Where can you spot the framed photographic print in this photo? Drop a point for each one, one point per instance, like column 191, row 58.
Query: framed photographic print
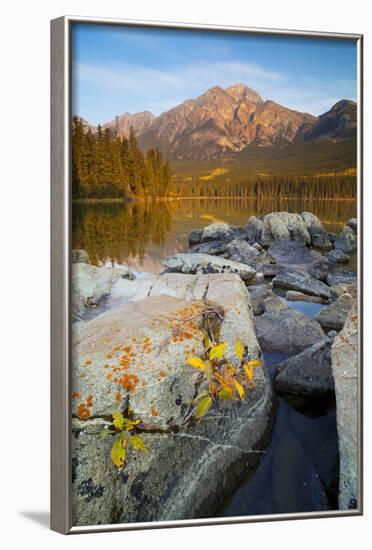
column 206, row 274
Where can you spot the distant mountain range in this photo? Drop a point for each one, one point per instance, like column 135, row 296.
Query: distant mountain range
column 222, row 123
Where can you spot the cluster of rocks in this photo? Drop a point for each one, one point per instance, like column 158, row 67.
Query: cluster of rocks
column 252, row 274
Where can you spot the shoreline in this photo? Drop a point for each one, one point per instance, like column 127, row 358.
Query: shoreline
column 128, row 200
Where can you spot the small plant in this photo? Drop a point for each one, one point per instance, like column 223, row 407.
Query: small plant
column 124, row 437
column 223, row 379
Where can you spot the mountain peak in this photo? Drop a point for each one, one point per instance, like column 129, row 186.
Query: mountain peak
column 240, row 91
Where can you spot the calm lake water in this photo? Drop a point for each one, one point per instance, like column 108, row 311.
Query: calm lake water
column 141, row 234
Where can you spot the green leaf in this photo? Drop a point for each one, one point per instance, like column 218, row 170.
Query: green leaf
column 118, row 420
column 207, row 342
column 203, row 407
column 217, row 352
column 239, row 349
column 138, row 443
column 118, row 453
column 196, row 362
column 226, row 394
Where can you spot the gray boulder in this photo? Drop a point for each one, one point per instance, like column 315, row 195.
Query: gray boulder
column 344, row 288
column 214, row 248
column 263, row 299
column 90, row 284
column 341, row 277
column 319, row 236
column 333, row 317
column 319, row 269
column 204, row 263
column 253, row 229
column 135, row 355
column 219, row 231
column 287, row 331
column 240, row 251
column 353, row 223
column 337, row 256
column 308, row 373
column 284, row 226
column 303, row 282
column 345, row 374
column 80, row 256
column 347, row 240
column 290, row 253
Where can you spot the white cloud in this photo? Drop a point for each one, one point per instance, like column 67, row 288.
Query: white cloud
column 125, row 87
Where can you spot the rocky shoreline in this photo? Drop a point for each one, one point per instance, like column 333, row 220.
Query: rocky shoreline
column 253, row 275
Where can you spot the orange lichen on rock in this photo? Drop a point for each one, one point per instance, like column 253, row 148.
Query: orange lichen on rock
column 75, row 394
column 154, row 412
column 129, row 382
column 87, row 362
column 162, row 373
column 118, row 396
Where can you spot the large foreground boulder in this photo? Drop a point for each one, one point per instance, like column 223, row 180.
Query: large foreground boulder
column 136, row 355
column 287, row 331
column 309, row 373
column 204, row 263
column 345, row 374
column 294, row 279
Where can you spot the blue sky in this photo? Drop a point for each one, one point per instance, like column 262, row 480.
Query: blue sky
column 127, row 69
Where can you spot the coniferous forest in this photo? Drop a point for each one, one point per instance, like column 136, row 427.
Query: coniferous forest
column 105, row 165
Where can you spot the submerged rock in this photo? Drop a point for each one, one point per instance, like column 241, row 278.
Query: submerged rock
column 345, row 374
column 347, row 240
column 136, row 355
column 287, row 331
column 301, row 281
column 308, row 373
column 294, row 296
column 204, row 263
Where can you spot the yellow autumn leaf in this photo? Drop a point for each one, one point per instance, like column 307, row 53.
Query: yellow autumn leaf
column 239, row 349
column 130, row 424
column 203, row 407
column 249, row 372
column 118, row 420
column 196, row 362
column 240, row 389
column 138, row 443
column 255, row 363
column 223, row 381
column 217, row 352
column 118, row 453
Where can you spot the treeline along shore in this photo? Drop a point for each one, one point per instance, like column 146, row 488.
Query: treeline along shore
column 107, row 167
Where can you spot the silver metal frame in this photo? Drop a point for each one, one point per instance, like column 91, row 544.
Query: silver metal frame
column 61, row 268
